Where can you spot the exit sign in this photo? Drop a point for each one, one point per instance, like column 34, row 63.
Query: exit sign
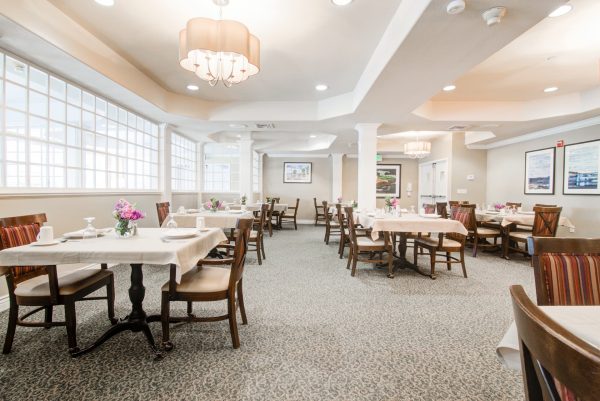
column 560, row 143
column 378, row 158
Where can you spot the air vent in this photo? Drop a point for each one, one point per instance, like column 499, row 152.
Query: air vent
column 459, row 128
column 265, row 125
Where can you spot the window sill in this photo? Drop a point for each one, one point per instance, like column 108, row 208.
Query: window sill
column 7, row 195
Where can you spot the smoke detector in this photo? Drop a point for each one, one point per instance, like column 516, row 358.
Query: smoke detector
column 494, row 15
column 456, row 7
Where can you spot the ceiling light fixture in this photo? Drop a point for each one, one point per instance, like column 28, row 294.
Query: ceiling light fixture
column 192, row 87
column 341, row 2
column 494, row 15
column 551, row 89
column 562, row 10
column 313, row 136
column 219, row 50
column 106, row 3
column 417, row 149
column 449, row 88
column 321, row 87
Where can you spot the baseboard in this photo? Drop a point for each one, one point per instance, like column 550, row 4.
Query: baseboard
column 4, row 303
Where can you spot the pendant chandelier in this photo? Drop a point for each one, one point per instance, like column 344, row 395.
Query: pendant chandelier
column 418, row 149
column 219, row 50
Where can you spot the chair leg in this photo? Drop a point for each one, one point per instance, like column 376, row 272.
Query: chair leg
column 432, row 261
column 354, row 260
column 462, row 262
column 448, row 264
column 341, row 245
column 258, row 252
column 415, row 252
column 110, row 300
column 327, row 236
column 190, row 308
column 262, row 246
column 349, row 257
column 13, row 317
column 235, row 339
column 240, row 294
column 390, row 264
column 475, row 246
column 48, row 315
column 164, row 320
column 295, row 224
column 71, row 320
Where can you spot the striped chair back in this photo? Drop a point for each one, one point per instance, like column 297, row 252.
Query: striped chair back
column 567, row 270
column 162, row 208
column 18, row 231
column 429, row 208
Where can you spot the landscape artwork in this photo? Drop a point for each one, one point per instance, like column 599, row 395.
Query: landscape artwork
column 581, row 167
column 539, row 172
column 388, row 180
column 297, row 172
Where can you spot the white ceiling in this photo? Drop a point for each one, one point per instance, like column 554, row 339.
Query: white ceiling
column 303, row 43
column 384, row 61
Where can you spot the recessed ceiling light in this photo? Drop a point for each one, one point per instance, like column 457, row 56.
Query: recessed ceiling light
column 193, row 87
column 321, row 87
column 449, row 88
column 239, row 136
column 313, row 136
column 106, row 3
column 562, row 10
column 238, row 126
column 341, row 2
column 551, row 89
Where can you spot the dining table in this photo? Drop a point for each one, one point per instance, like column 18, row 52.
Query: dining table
column 219, row 219
column 255, row 207
column 404, row 224
column 156, row 246
column 582, row 321
column 519, row 218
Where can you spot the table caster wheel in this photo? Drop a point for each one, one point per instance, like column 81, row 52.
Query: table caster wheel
column 74, row 350
column 167, row 346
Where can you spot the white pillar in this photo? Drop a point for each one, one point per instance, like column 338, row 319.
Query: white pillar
column 246, row 159
column 164, row 133
column 367, row 165
column 336, row 175
column 261, row 175
column 199, row 171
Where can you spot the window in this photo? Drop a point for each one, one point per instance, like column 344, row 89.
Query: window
column 221, row 167
column 183, row 163
column 56, row 135
column 255, row 172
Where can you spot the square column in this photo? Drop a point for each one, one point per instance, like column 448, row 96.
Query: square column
column 164, row 135
column 367, row 165
column 199, row 171
column 336, row 175
column 246, row 167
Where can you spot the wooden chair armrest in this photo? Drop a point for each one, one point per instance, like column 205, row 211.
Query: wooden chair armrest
column 215, row 262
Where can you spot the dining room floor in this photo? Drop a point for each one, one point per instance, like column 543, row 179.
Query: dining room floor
column 314, row 333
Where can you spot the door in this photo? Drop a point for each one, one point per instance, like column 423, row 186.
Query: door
column 433, row 182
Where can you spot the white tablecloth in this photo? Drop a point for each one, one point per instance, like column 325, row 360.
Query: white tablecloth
column 255, row 207
column 145, row 248
column 583, row 321
column 220, row 219
column 521, row 219
column 409, row 222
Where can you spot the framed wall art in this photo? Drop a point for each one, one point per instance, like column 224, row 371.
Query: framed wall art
column 297, row 172
column 539, row 171
column 581, row 167
column 388, row 180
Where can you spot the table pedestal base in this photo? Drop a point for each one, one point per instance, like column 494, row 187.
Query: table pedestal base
column 401, row 262
column 136, row 321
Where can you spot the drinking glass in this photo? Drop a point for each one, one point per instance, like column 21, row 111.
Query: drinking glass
column 171, row 223
column 412, row 209
column 181, row 210
column 90, row 231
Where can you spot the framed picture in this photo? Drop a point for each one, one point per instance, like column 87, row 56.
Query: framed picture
column 388, row 180
column 297, row 172
column 581, row 166
column 539, row 172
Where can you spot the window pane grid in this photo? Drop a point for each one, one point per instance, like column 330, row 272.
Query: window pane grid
column 183, row 163
column 55, row 135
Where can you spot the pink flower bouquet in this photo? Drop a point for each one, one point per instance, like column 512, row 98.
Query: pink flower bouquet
column 126, row 215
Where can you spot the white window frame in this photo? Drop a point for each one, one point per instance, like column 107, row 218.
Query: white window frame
column 183, row 164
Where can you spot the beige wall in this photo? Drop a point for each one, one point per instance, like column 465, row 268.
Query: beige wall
column 506, row 172
column 349, row 178
column 187, row 200
column 467, row 162
column 320, row 187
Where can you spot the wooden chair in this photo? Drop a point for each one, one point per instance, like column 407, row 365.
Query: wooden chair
column 319, row 214
column 46, row 286
column 207, row 283
column 332, row 227
column 162, row 208
column 541, row 205
column 513, row 204
column 442, row 209
column 556, row 365
column 290, row 218
column 445, row 245
column 344, row 233
column 567, row 270
column 479, row 233
column 545, row 224
column 269, row 220
column 257, row 234
column 365, row 245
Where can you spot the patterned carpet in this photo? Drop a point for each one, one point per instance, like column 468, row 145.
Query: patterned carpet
column 314, row 333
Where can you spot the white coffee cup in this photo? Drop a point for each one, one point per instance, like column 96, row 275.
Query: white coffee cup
column 45, row 235
column 200, row 223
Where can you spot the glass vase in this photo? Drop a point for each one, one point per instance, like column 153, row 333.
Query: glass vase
column 125, row 228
